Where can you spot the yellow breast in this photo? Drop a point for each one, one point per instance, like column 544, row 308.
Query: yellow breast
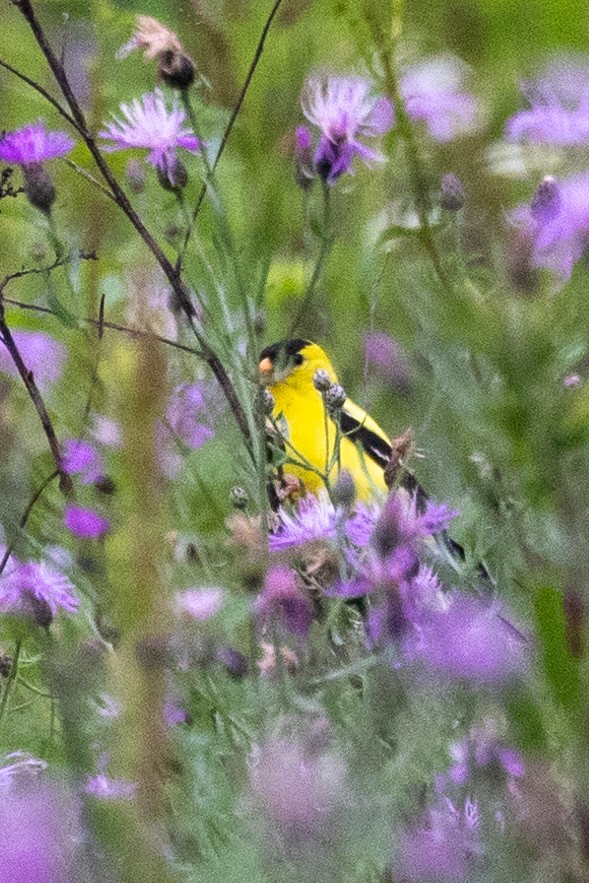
column 311, row 440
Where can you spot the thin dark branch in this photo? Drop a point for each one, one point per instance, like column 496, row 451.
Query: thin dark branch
column 65, row 482
column 173, row 276
column 25, row 516
column 111, row 326
column 41, row 271
column 46, row 95
column 229, row 127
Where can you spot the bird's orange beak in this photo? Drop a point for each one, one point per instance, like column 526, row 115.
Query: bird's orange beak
column 265, row 368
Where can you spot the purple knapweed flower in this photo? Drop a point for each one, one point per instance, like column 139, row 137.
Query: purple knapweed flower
column 282, row 598
column 187, row 412
column 345, row 111
column 35, row 588
column 42, row 836
column 85, row 522
column 296, row 787
column 81, row 458
column 152, row 125
column 41, row 353
column 443, row 848
column 33, row 145
column 432, row 92
column 386, row 359
column 201, row 604
column 557, row 224
column 29, row 148
column 313, row 519
column 470, row 641
column 559, row 106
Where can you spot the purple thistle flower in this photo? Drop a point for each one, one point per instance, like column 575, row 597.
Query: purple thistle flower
column 296, row 787
column 186, row 409
column 444, row 847
column 281, row 597
column 33, row 144
column 559, row 106
column 344, row 110
column 557, row 223
column 85, row 522
column 106, row 431
column 433, row 93
column 83, row 459
column 470, row 641
column 151, row 125
column 22, row 768
column 435, row 519
column 314, row 519
column 42, row 354
column 201, row 604
column 41, row 835
column 33, row 584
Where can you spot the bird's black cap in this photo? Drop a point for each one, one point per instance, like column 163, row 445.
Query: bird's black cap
column 288, row 347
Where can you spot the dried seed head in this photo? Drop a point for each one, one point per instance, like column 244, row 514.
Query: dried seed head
column 135, row 175
column 176, row 70
column 175, row 67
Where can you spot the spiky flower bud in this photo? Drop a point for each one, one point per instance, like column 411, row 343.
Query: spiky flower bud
column 451, row 193
column 173, row 177
column 238, row 497
column 39, row 188
column 304, row 166
column 334, row 398
column 321, row 380
column 135, row 175
column 546, row 201
column 344, row 489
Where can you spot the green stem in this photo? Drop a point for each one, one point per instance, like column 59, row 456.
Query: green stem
column 326, row 240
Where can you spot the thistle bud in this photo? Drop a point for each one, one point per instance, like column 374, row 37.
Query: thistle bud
column 235, row 663
column 546, row 201
column 304, row 167
column 39, row 188
column 344, row 489
column 174, row 177
column 5, row 665
column 321, row 380
column 268, row 402
column 451, row 193
column 135, row 175
column 238, row 497
column 334, row 398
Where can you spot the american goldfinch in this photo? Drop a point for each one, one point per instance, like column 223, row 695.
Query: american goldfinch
column 321, row 430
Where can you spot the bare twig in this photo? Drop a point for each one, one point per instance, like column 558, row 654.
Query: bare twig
column 42, row 271
column 228, row 128
column 65, row 482
column 46, row 95
column 122, row 200
column 111, row 326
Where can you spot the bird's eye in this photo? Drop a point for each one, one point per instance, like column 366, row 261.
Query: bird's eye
column 298, row 359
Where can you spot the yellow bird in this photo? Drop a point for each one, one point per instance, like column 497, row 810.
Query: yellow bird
column 309, row 428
